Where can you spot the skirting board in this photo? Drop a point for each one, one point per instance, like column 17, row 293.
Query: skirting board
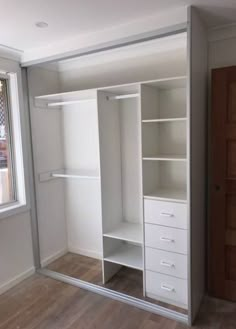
column 51, row 258
column 85, row 252
column 17, row 279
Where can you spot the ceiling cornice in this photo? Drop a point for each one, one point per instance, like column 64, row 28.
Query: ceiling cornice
column 222, row 32
column 11, row 53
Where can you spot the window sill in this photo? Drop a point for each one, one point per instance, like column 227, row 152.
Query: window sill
column 13, row 209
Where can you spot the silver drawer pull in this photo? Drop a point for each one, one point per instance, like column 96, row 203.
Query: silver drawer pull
column 167, row 287
column 162, row 238
column 167, row 264
column 166, row 214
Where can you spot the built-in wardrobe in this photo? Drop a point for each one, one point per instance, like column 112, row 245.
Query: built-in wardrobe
column 118, row 148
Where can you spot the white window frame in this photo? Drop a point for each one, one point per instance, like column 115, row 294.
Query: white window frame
column 11, row 70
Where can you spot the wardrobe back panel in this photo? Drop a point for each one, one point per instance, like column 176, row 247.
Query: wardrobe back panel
column 110, row 160
column 80, row 136
column 82, row 196
column 83, row 216
column 164, row 64
column 48, row 155
column 170, row 99
column 130, row 159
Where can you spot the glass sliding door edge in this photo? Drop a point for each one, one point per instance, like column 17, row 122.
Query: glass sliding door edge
column 136, row 302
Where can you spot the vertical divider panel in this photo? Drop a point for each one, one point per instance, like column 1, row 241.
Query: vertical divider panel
column 110, row 169
column 197, row 113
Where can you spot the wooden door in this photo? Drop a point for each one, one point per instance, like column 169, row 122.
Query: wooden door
column 222, row 251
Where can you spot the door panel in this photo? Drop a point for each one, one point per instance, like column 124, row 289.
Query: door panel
column 197, row 113
column 222, row 255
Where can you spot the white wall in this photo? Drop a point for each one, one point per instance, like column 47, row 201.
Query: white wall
column 222, row 48
column 16, row 255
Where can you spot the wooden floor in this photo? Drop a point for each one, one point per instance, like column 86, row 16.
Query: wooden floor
column 43, row 303
column 127, row 280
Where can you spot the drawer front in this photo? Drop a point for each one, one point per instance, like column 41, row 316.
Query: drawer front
column 166, row 238
column 171, row 214
column 167, row 288
column 166, row 262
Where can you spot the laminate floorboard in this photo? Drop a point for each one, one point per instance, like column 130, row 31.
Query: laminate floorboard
column 40, row 302
column 128, row 281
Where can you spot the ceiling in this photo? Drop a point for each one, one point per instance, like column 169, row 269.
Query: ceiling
column 71, row 18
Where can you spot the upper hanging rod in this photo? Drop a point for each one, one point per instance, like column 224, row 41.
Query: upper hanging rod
column 111, row 98
column 115, row 97
column 54, row 104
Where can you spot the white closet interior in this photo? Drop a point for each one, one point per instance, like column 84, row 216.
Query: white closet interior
column 121, row 186
column 112, row 163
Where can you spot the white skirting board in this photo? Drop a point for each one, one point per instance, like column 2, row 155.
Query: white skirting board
column 17, row 279
column 85, row 252
column 51, row 258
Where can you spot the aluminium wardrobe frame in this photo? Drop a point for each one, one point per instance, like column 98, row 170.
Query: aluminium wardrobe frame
column 196, row 131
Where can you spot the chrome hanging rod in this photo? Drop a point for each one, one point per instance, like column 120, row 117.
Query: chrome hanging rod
column 115, row 97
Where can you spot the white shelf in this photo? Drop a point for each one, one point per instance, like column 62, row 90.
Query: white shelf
column 131, row 232
column 62, row 99
column 127, row 255
column 168, row 194
column 166, row 158
column 164, row 120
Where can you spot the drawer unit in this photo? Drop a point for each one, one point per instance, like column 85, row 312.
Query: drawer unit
column 166, row 238
column 171, row 214
column 166, row 262
column 166, row 288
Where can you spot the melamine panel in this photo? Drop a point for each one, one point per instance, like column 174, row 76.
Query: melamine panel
column 166, row 262
column 166, row 238
column 166, row 288
column 171, row 214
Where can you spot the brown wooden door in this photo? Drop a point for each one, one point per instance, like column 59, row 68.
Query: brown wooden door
column 222, row 239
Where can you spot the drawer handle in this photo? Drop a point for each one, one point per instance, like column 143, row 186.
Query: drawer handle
column 162, row 238
column 167, row 264
column 166, row 214
column 167, row 287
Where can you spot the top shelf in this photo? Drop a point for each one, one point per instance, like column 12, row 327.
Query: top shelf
column 119, row 92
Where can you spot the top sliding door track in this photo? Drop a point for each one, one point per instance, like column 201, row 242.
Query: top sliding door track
column 132, row 40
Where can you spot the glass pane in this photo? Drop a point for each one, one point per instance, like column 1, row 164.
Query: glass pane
column 7, row 191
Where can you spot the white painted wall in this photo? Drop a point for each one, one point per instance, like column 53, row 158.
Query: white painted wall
column 222, row 52
column 16, row 256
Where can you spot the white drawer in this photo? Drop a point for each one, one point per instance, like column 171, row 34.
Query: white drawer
column 166, row 238
column 166, row 262
column 171, row 214
column 166, row 288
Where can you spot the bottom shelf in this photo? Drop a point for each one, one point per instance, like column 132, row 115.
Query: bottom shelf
column 127, row 255
column 168, row 194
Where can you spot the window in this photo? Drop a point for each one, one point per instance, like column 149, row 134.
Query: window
column 7, row 174
column 13, row 167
